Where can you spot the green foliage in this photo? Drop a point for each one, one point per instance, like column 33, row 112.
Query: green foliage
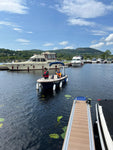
column 7, row 55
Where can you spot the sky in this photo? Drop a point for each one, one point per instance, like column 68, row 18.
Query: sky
column 56, row 24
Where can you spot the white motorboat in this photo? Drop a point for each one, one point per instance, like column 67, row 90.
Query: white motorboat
column 36, row 62
column 104, row 117
column 53, row 81
column 77, row 61
column 94, row 61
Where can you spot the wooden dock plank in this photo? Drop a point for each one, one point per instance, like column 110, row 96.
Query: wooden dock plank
column 79, row 136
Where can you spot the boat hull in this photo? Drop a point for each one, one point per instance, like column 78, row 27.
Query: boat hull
column 49, row 83
column 104, row 122
column 29, row 66
column 76, row 64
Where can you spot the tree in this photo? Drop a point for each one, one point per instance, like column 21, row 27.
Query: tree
column 106, row 54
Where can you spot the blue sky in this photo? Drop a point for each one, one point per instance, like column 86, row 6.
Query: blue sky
column 56, row 24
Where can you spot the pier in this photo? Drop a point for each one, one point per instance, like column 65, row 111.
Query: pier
column 79, row 135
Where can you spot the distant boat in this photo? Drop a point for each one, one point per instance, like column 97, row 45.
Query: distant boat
column 108, row 61
column 77, row 61
column 99, row 60
column 94, row 61
column 104, row 117
column 53, row 81
column 36, row 62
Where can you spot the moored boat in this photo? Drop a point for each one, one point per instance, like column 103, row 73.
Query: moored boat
column 77, row 61
column 36, row 62
column 104, row 117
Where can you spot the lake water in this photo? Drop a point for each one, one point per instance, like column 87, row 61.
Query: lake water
column 28, row 116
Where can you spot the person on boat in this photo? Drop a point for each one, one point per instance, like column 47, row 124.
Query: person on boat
column 58, row 73
column 46, row 73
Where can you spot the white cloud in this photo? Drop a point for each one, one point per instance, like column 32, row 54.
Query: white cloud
column 63, row 43
column 69, row 47
column 83, row 8
column 109, row 43
column 30, row 32
column 108, row 28
column 17, row 29
column 99, row 45
column 13, row 6
column 23, row 41
column 43, row 4
column 99, row 32
column 81, row 22
column 109, row 38
column 48, row 44
column 6, row 23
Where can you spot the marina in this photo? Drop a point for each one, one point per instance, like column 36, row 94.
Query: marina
column 29, row 117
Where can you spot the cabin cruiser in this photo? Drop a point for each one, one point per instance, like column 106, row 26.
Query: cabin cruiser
column 77, row 61
column 104, row 121
column 36, row 62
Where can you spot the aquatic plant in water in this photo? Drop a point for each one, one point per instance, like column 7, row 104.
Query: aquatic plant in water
column 55, row 135
column 64, row 129
column 1, row 120
column 59, row 118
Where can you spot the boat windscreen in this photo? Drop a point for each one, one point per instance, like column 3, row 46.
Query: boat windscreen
column 56, row 63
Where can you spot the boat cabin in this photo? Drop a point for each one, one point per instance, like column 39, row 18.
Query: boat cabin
column 43, row 57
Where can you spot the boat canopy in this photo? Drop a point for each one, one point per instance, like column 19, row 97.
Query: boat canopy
column 56, row 63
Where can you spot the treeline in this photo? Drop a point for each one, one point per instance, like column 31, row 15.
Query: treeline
column 7, row 55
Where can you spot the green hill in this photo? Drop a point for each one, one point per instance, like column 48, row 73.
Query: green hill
column 9, row 55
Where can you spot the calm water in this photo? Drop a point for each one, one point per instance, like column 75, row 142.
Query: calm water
column 30, row 116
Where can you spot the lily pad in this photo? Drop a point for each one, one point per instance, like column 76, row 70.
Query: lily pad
column 89, row 99
column 59, row 118
column 63, row 135
column 1, row 119
column 1, row 124
column 67, row 96
column 54, row 136
column 64, row 128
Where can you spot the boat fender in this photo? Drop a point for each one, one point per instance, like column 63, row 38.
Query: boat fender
column 66, row 79
column 54, row 87
column 60, row 84
column 37, row 86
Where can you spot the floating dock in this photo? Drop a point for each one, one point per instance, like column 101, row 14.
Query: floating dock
column 79, row 135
